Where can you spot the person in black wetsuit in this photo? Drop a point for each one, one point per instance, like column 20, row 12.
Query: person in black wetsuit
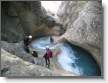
column 27, row 41
column 35, row 55
column 51, row 39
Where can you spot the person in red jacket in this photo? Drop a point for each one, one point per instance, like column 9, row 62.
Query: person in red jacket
column 47, row 57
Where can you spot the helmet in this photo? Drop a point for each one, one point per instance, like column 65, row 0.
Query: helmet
column 30, row 36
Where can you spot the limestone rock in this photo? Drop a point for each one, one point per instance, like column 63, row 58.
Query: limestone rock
column 18, row 50
column 83, row 21
column 69, row 11
column 20, row 18
column 13, row 66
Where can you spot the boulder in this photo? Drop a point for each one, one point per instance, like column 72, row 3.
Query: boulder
column 13, row 66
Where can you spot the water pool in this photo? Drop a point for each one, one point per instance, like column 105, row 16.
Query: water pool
column 72, row 58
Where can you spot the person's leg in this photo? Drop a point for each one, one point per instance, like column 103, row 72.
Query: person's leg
column 26, row 48
column 48, row 63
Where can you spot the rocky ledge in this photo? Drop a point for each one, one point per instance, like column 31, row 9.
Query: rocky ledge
column 13, row 66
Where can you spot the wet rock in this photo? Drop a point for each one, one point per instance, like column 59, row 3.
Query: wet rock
column 13, row 66
column 83, row 21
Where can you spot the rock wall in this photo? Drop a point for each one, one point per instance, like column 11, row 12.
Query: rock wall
column 84, row 23
column 19, row 18
column 12, row 66
column 18, row 50
column 10, row 26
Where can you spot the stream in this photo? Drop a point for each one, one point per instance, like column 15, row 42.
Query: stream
column 71, row 58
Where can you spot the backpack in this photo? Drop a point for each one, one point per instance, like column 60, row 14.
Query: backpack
column 49, row 53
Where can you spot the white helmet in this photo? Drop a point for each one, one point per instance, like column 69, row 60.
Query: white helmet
column 30, row 36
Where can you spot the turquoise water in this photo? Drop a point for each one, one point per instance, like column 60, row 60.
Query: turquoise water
column 72, row 58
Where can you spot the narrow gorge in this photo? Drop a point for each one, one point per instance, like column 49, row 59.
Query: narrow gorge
column 77, row 31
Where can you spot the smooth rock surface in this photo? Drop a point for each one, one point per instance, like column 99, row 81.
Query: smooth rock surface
column 84, row 23
column 12, row 66
column 18, row 50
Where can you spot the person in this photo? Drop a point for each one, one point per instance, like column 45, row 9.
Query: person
column 35, row 55
column 27, row 41
column 51, row 39
column 47, row 57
